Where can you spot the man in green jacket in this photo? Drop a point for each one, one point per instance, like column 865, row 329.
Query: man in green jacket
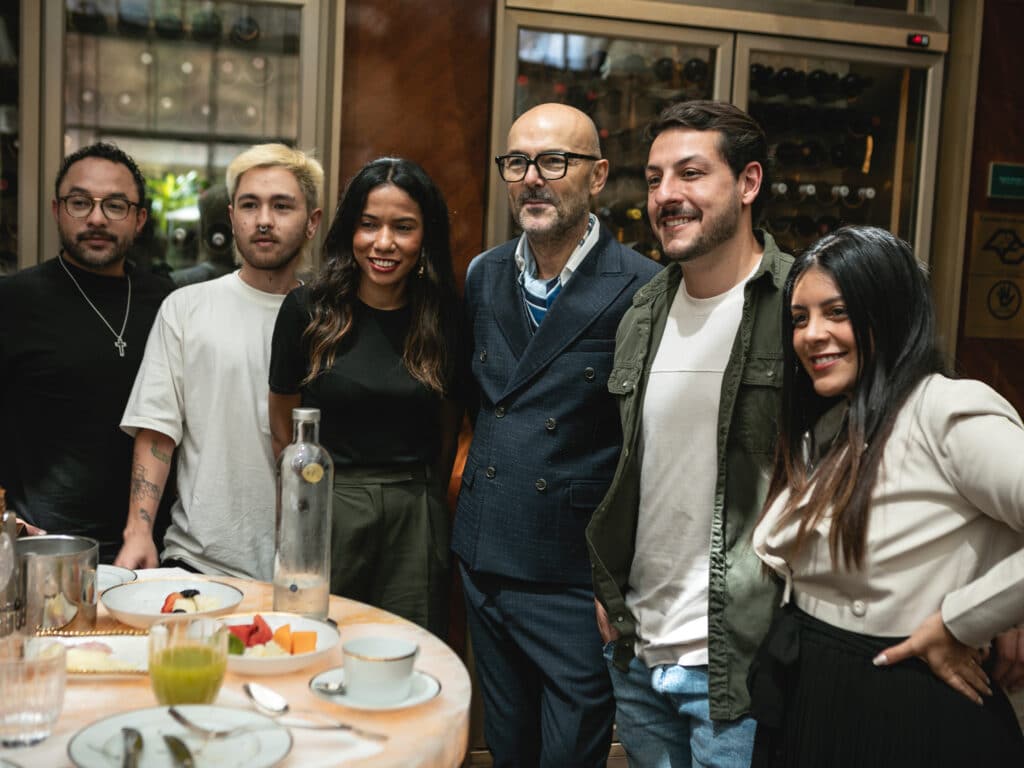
column 681, row 600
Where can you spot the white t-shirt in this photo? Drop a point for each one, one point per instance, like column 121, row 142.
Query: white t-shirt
column 203, row 382
column 668, row 581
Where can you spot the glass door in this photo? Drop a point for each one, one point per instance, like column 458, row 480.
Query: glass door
column 852, row 133
column 183, row 86
column 10, row 47
column 621, row 75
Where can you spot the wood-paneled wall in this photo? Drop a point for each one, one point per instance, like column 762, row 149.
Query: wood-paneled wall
column 417, row 84
column 998, row 135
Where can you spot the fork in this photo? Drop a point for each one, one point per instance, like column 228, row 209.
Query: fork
column 213, row 733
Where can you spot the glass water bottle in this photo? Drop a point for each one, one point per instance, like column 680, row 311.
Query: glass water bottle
column 305, row 487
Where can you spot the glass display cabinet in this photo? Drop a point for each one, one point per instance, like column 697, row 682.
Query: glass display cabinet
column 183, row 86
column 852, row 127
column 853, row 133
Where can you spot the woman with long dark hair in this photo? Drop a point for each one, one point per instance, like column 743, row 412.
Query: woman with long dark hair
column 895, row 516
column 373, row 342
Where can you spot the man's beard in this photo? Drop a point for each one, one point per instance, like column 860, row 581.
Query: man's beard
column 566, row 219
column 87, row 258
column 719, row 230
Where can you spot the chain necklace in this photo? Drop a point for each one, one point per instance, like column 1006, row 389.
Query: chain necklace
column 119, row 341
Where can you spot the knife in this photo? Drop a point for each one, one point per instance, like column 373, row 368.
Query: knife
column 180, row 752
column 132, row 748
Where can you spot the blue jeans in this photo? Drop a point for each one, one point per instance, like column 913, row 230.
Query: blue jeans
column 663, row 719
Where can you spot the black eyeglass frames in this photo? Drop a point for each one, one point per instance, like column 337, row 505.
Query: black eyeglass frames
column 550, row 165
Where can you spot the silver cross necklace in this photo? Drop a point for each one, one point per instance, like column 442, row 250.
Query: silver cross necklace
column 119, row 341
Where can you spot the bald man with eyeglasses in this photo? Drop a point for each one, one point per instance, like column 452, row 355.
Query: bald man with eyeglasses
column 543, row 309
column 72, row 333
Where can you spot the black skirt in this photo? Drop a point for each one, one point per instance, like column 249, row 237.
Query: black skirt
column 821, row 703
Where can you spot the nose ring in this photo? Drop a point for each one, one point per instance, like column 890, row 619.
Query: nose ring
column 263, row 228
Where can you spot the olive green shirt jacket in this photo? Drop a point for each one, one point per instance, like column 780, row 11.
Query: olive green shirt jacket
column 741, row 598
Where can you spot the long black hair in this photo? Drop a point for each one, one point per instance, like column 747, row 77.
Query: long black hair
column 432, row 295
column 890, row 310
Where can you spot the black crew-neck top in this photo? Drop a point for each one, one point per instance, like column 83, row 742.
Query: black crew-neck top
column 373, row 413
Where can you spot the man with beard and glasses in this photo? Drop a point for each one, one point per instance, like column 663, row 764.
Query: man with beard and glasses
column 203, row 382
column 543, row 310
column 72, row 333
column 698, row 372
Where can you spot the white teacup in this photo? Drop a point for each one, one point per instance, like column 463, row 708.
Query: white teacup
column 378, row 670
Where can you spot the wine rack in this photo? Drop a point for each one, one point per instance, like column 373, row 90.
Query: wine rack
column 844, row 142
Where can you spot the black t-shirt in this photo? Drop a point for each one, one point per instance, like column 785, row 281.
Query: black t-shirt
column 64, row 460
column 372, row 411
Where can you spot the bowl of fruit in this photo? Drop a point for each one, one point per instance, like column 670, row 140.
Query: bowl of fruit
column 275, row 643
column 141, row 603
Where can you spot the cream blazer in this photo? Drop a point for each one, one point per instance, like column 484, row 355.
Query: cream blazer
column 946, row 529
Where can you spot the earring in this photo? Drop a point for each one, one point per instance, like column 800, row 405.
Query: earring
column 422, row 270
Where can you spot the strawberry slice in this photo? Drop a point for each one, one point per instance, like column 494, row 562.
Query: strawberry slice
column 169, row 602
column 263, row 632
column 243, row 632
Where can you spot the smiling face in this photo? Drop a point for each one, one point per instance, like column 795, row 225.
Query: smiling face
column 95, row 242
column 694, row 201
column 387, row 244
column 553, row 210
column 823, row 336
column 269, row 218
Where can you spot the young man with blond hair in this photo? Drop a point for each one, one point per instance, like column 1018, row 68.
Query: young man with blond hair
column 202, row 386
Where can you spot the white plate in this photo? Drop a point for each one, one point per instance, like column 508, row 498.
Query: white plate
column 100, row 745
column 129, row 652
column 327, row 637
column 138, row 604
column 424, row 688
column 108, row 576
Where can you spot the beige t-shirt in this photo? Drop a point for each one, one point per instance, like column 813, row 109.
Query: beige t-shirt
column 203, row 382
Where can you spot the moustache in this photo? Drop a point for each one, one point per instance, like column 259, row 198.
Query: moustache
column 536, row 196
column 96, row 235
column 677, row 210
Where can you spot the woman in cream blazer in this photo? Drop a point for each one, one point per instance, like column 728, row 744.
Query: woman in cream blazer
column 896, row 509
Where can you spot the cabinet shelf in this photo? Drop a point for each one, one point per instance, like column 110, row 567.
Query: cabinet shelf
column 160, row 135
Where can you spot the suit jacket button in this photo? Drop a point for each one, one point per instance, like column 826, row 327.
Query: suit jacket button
column 499, row 411
column 859, row 608
column 490, row 472
column 483, row 355
column 550, row 424
column 541, row 485
column 589, row 374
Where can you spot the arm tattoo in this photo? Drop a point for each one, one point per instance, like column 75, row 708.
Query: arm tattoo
column 146, row 517
column 141, row 487
column 164, row 457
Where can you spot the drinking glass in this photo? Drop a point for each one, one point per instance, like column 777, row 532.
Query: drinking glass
column 187, row 659
column 32, row 675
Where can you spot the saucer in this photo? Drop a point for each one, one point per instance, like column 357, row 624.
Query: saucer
column 424, row 688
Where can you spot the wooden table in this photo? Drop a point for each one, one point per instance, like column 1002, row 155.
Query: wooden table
column 431, row 734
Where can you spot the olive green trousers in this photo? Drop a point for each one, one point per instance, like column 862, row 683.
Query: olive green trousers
column 390, row 533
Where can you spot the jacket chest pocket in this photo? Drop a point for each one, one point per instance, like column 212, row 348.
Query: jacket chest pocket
column 758, row 399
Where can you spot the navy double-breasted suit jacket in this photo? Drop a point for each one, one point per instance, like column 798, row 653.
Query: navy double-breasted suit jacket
column 547, row 435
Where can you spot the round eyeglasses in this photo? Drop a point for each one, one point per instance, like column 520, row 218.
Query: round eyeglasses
column 550, row 165
column 80, row 206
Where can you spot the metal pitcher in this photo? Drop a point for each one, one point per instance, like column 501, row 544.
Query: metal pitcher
column 54, row 584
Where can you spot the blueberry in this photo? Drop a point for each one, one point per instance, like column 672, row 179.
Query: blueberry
column 189, row 592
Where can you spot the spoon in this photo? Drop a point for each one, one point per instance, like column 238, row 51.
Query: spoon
column 271, row 703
